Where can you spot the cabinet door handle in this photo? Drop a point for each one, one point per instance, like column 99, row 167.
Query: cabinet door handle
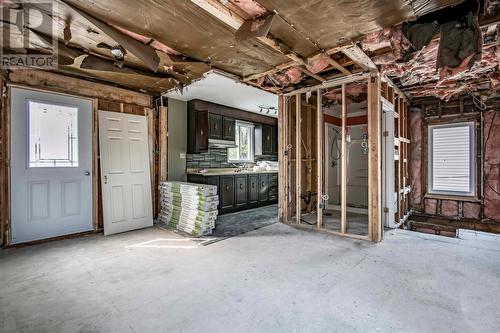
column 227, row 188
column 263, row 184
column 215, row 126
column 268, row 138
column 201, row 132
column 241, row 186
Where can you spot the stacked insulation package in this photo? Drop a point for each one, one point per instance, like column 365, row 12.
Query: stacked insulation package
column 189, row 207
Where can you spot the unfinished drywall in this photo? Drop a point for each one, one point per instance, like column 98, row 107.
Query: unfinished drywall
column 177, row 143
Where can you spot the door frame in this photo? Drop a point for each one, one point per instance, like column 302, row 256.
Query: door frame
column 95, row 159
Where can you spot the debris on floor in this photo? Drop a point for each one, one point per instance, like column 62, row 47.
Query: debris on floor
column 191, row 208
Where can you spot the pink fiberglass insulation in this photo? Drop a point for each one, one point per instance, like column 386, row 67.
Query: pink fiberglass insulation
column 415, row 158
column 421, row 68
column 471, row 210
column 317, row 64
column 430, row 206
column 449, row 208
column 251, row 7
column 491, row 136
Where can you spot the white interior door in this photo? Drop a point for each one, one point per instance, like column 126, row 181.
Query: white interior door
column 51, row 165
column 125, row 172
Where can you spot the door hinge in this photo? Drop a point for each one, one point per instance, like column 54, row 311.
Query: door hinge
column 386, row 210
column 386, row 133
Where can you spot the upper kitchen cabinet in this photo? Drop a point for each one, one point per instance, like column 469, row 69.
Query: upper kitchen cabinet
column 229, row 129
column 215, row 126
column 266, row 140
column 212, row 125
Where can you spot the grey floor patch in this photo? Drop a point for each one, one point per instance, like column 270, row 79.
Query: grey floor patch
column 234, row 224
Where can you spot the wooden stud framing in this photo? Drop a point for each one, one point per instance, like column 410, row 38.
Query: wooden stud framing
column 282, row 158
column 298, row 159
column 374, row 160
column 320, row 151
column 343, row 184
column 163, row 142
column 308, row 157
column 317, row 128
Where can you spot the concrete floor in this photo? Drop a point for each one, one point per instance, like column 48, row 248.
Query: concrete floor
column 275, row 279
column 357, row 224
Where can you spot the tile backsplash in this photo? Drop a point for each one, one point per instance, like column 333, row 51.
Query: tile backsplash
column 215, row 158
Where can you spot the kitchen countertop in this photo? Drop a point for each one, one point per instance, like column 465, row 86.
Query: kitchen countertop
column 226, row 171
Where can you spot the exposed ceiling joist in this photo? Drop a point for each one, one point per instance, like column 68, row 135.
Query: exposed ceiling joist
column 360, row 58
column 230, row 18
column 311, row 74
column 338, row 66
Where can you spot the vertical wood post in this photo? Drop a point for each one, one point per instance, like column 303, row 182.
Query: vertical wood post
column 298, row 159
column 343, row 184
column 374, row 160
column 320, row 151
column 163, row 141
column 282, row 158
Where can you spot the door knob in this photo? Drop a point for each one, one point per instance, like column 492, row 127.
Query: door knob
column 87, row 173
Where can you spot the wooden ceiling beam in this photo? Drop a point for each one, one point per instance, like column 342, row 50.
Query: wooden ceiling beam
column 311, row 74
column 232, row 19
column 356, row 54
column 338, row 66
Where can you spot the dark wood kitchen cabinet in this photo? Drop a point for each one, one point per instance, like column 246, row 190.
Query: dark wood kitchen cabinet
column 226, row 194
column 215, row 128
column 241, row 191
column 264, row 187
column 266, row 140
column 253, row 190
column 229, row 129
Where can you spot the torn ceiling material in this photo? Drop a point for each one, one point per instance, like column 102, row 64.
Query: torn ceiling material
column 299, row 43
column 438, row 56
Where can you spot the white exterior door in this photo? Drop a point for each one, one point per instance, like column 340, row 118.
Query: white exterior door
column 125, row 172
column 51, row 165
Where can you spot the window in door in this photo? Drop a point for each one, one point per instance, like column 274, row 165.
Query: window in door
column 244, row 141
column 53, row 135
column 451, row 159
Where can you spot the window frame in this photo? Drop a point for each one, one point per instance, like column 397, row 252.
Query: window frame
column 251, row 127
column 472, row 159
column 28, row 133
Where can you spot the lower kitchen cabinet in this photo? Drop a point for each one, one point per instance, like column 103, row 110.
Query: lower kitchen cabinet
column 264, row 187
column 242, row 191
column 226, row 194
column 253, row 190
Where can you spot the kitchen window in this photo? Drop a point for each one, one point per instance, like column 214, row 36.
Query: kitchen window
column 451, row 159
column 244, row 136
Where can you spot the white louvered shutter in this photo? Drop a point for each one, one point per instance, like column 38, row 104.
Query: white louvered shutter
column 451, row 159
